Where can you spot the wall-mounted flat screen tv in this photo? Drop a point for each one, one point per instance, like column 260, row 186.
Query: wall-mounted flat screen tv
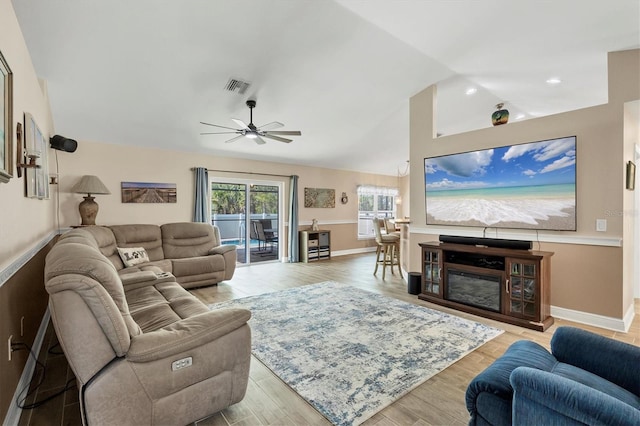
column 523, row 186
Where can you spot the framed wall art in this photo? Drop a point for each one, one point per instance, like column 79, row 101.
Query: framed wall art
column 6, row 122
column 149, row 192
column 36, row 145
column 319, row 198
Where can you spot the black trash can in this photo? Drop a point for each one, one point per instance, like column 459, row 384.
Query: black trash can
column 414, row 282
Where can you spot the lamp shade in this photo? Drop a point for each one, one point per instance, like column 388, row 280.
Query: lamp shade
column 90, row 184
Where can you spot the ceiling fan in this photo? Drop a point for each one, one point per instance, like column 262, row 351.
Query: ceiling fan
column 251, row 131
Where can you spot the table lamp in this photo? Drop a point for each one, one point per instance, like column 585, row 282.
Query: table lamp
column 89, row 184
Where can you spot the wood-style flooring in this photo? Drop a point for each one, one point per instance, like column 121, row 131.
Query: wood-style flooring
column 438, row 401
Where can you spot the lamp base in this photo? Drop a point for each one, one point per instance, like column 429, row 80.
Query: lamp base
column 88, row 210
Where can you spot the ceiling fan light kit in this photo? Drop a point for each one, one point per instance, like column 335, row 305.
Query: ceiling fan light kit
column 251, row 131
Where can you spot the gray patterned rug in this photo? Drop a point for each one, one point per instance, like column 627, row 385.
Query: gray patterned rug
column 350, row 352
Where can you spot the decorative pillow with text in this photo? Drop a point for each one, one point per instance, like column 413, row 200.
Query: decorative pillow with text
column 132, row 256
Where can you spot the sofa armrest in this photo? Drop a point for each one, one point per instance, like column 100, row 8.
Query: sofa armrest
column 137, row 279
column 186, row 334
column 495, row 378
column 605, row 357
column 222, row 249
column 541, row 397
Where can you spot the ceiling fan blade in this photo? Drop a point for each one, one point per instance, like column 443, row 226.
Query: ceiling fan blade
column 215, row 125
column 240, row 123
column 234, row 139
column 284, row 132
column 277, row 138
column 272, row 125
column 259, row 140
column 218, row 133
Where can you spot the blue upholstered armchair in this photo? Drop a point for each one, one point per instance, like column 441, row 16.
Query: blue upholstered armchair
column 586, row 379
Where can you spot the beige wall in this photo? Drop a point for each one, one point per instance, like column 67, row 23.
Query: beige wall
column 24, row 220
column 587, row 270
column 117, row 163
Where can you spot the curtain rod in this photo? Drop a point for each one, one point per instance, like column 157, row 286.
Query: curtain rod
column 244, row 173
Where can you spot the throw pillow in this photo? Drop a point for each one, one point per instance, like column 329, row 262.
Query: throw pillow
column 132, row 256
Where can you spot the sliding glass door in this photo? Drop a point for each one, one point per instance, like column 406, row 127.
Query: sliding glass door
column 255, row 234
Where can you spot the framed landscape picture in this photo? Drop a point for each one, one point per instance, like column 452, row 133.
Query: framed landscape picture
column 149, row 192
column 6, row 122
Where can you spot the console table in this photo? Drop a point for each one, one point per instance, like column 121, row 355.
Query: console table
column 507, row 285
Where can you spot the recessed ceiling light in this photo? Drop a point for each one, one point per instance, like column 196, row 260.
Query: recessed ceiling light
column 470, row 91
column 554, row 80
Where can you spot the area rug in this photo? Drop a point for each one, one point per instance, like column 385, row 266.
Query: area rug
column 351, row 352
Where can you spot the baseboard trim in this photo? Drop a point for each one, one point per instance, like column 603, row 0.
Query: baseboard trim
column 13, row 414
column 609, row 323
column 353, row 251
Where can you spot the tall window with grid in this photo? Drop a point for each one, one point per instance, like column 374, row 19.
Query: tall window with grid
column 374, row 201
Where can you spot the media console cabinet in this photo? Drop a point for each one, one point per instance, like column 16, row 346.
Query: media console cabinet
column 508, row 285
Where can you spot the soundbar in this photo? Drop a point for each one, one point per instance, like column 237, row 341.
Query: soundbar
column 488, row 242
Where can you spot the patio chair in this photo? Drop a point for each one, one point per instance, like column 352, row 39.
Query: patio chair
column 268, row 238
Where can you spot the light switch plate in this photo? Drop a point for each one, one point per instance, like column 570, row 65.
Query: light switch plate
column 601, row 225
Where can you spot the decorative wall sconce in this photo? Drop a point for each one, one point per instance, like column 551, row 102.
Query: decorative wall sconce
column 26, row 159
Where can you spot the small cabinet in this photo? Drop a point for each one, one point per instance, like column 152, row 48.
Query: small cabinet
column 315, row 245
column 432, row 272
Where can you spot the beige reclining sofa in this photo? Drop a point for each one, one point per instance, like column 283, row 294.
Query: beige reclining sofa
column 192, row 252
column 144, row 351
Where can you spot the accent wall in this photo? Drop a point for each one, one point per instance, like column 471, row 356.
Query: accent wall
column 591, row 278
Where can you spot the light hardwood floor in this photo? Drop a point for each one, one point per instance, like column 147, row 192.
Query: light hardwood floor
column 438, row 401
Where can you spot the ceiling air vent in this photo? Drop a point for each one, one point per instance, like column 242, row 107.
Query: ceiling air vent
column 236, row 85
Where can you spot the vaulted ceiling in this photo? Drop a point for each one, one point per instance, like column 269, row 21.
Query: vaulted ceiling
column 147, row 72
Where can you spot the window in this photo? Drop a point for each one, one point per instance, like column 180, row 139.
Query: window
column 374, row 202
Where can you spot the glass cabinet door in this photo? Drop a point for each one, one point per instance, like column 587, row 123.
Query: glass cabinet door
column 522, row 286
column 432, row 269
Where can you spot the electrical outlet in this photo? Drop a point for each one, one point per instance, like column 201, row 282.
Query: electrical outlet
column 601, row 225
column 9, row 346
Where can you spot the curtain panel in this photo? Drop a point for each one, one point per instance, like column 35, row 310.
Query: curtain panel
column 201, row 210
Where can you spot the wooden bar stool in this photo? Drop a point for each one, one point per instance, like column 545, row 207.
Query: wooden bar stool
column 388, row 246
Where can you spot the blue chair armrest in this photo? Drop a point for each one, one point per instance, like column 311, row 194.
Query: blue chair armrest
column 493, row 382
column 541, row 397
column 610, row 359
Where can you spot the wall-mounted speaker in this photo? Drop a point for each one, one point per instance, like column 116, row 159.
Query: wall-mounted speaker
column 63, row 144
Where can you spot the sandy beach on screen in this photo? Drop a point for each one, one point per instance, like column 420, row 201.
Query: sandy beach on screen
column 539, row 213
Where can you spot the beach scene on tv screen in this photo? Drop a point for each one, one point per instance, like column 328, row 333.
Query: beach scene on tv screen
column 524, row 186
